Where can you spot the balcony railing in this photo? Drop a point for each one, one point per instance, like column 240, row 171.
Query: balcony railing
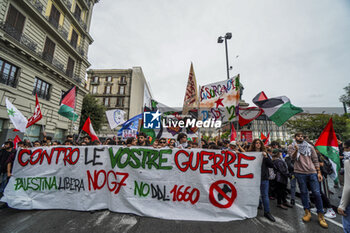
column 42, row 93
column 8, row 80
column 27, row 42
column 77, row 79
column 68, row 4
column 23, row 39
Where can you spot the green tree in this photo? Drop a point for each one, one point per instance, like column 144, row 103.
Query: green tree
column 93, row 109
column 346, row 97
column 225, row 135
column 313, row 125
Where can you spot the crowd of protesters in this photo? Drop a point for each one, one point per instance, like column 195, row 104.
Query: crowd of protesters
column 298, row 163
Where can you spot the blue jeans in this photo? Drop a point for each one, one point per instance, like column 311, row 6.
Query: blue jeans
column 346, row 220
column 312, row 179
column 3, row 180
column 293, row 185
column 264, row 192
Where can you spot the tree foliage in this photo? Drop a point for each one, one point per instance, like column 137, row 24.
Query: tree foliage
column 346, row 97
column 313, row 125
column 93, row 109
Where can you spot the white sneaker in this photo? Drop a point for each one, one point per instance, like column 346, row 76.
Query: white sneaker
column 330, row 213
column 313, row 210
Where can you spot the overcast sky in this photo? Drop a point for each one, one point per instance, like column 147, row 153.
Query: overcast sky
column 296, row 48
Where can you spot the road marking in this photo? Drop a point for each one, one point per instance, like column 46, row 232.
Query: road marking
column 328, row 219
column 280, row 223
column 101, row 217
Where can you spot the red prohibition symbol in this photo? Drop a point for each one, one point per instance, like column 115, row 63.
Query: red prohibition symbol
column 229, row 199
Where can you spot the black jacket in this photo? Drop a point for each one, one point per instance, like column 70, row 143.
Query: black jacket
column 281, row 170
column 266, row 163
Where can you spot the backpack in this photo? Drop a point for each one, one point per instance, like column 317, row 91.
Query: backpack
column 272, row 174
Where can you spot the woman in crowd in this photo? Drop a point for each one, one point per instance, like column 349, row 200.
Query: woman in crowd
column 257, row 145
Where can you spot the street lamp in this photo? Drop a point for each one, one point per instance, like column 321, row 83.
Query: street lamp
column 220, row 40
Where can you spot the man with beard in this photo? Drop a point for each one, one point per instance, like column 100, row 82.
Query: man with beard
column 307, row 171
column 142, row 139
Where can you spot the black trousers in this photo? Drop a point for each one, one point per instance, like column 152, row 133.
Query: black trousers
column 281, row 192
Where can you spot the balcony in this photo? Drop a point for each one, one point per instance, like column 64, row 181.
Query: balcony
column 33, row 47
column 21, row 38
column 49, row 58
column 8, row 80
column 61, row 31
column 93, row 82
column 78, row 19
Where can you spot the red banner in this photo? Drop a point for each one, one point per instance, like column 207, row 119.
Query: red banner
column 37, row 113
column 246, row 136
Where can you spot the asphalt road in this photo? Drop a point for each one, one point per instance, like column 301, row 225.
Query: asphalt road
column 46, row 221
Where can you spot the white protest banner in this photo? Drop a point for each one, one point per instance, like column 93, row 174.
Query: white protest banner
column 203, row 185
column 219, row 101
column 115, row 117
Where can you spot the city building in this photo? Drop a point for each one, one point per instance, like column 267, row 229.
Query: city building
column 125, row 89
column 43, row 51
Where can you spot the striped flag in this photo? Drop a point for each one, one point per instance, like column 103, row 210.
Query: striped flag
column 68, row 105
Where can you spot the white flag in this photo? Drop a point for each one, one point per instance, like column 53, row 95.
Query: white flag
column 16, row 117
column 115, row 117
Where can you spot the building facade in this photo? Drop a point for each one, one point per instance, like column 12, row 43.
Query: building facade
column 124, row 89
column 43, row 51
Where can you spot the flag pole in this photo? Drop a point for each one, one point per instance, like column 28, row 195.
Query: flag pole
column 199, row 129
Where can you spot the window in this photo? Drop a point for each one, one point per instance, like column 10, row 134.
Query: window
column 59, row 135
column 42, row 89
column 8, row 73
column 54, row 17
column 33, row 132
column 70, row 67
column 95, row 80
column 49, row 50
column 109, row 79
column 14, row 22
column 1, row 124
column 94, row 89
column 120, row 101
column 121, row 90
column 106, row 101
column 74, row 38
column 107, row 89
column 122, row 79
column 77, row 12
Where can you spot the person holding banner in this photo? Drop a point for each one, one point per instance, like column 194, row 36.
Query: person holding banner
column 258, row 145
column 181, row 141
column 142, row 139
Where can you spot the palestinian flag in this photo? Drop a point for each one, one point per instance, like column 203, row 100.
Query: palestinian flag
column 68, row 105
column 327, row 144
column 278, row 109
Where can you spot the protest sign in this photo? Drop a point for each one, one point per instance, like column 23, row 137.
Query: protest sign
column 203, row 185
column 219, row 101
